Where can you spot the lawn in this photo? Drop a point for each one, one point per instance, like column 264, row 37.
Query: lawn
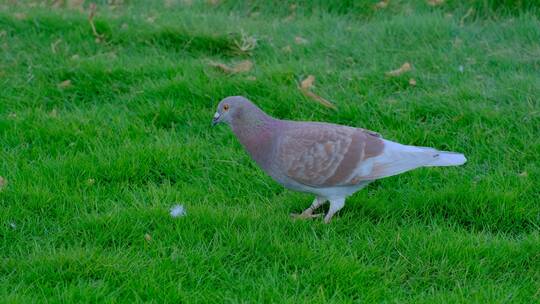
column 102, row 132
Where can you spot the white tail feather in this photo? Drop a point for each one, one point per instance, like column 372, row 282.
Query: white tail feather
column 443, row 158
column 397, row 158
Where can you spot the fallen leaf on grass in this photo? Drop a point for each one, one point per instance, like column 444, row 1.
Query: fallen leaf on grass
column 457, row 42
column 435, row 2
column 3, row 183
column 76, row 4
column 403, row 69
column 168, row 3
column 308, row 82
column 412, row 82
column 240, row 67
column 300, row 40
column 382, row 4
column 64, row 84
column 305, row 86
column 292, row 12
column 115, row 3
column 148, row 237
column 19, row 16
column 287, row 49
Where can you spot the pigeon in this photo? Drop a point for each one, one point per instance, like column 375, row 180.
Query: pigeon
column 328, row 160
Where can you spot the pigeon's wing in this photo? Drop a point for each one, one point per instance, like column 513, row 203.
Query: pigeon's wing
column 325, row 155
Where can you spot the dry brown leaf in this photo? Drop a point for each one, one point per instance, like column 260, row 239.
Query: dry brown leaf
column 403, row 69
column 435, row 2
column 57, row 3
column 240, row 67
column 287, row 49
column 300, row 40
column 169, row 3
column 64, row 84
column 382, row 4
column 457, row 42
column 3, row 183
column 115, row 3
column 318, row 98
column 307, row 84
column 292, row 12
column 19, row 16
column 412, row 82
column 75, row 4
column 243, row 66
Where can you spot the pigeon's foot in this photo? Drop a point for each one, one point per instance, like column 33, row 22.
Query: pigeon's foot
column 305, row 215
column 308, row 213
column 335, row 206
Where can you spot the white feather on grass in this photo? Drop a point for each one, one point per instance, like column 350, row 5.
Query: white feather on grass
column 178, row 211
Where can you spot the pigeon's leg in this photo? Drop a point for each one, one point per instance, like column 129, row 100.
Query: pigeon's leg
column 308, row 213
column 335, row 206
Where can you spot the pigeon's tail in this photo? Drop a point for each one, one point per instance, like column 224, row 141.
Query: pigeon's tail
column 442, row 159
column 397, row 158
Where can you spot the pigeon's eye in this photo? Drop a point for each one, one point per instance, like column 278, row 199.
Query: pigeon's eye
column 226, row 107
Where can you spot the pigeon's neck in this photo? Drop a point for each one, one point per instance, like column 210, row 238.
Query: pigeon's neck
column 255, row 131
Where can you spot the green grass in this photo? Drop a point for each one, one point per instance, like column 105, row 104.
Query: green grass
column 94, row 167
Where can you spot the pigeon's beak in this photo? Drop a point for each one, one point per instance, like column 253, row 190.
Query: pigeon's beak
column 215, row 120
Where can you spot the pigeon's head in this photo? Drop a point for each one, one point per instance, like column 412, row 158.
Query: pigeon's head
column 231, row 108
